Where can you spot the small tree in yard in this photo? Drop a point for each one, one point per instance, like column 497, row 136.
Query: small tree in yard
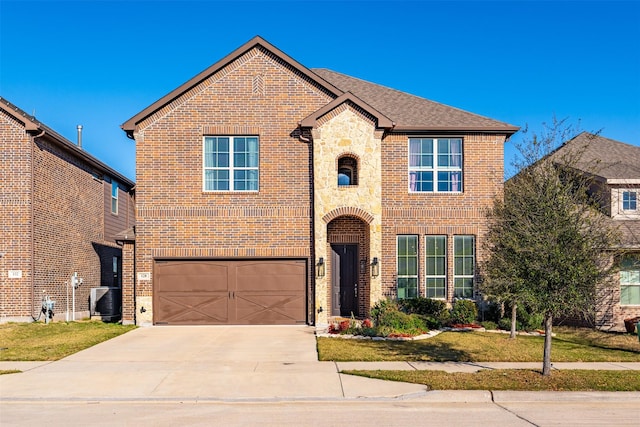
column 548, row 244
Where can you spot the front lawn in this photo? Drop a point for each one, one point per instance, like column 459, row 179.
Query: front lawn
column 515, row 379
column 42, row 342
column 569, row 345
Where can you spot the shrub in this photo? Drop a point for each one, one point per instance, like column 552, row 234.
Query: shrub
column 464, row 311
column 389, row 320
column 434, row 312
column 423, row 306
column 489, row 325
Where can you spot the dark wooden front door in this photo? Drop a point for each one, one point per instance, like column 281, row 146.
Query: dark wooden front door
column 344, row 280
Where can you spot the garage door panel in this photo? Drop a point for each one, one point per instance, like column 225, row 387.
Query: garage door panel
column 192, row 277
column 196, row 308
column 269, row 308
column 230, row 292
column 271, row 276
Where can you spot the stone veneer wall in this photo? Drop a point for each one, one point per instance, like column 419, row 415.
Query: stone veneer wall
column 346, row 130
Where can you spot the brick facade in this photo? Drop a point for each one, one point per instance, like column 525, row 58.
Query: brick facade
column 305, row 125
column 54, row 221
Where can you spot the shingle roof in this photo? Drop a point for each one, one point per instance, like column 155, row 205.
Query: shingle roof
column 410, row 112
column 611, row 159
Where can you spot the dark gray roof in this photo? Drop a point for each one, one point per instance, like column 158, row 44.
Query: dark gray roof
column 604, row 157
column 410, row 112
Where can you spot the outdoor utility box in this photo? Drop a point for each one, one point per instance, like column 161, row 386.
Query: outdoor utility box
column 106, row 302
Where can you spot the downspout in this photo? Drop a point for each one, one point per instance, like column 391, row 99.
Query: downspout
column 313, row 227
column 32, row 226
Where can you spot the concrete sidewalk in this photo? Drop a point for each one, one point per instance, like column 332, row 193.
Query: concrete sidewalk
column 229, row 364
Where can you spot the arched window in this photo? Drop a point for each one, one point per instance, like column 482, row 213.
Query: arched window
column 347, row 171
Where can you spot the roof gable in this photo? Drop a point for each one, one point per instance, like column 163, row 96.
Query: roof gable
column 130, row 125
column 381, row 120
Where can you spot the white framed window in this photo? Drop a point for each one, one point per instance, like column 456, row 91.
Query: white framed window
column 464, row 260
column 407, row 262
column 629, row 200
column 231, row 163
column 436, row 267
column 435, row 165
column 630, row 280
column 114, row 197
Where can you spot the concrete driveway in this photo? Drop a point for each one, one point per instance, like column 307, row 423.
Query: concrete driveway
column 229, row 363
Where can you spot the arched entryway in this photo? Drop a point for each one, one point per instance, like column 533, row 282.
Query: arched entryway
column 348, row 249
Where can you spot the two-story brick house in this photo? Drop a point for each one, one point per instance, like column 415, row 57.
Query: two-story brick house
column 60, row 209
column 270, row 193
column 615, row 169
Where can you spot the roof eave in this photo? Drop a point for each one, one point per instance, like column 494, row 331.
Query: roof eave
column 508, row 130
column 382, row 121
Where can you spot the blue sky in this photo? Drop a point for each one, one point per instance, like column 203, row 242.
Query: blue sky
column 97, row 63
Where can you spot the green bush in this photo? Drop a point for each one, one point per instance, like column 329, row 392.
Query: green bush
column 388, row 320
column 434, row 312
column 489, row 325
column 526, row 319
column 464, row 311
column 505, row 324
column 423, row 306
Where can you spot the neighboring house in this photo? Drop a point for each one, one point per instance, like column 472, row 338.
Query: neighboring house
column 270, row 193
column 60, row 209
column 615, row 167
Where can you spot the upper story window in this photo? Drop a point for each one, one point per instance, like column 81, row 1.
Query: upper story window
column 435, row 165
column 347, row 171
column 114, row 197
column 231, row 163
column 629, row 200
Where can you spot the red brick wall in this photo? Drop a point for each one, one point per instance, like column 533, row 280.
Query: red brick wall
column 175, row 218
column 432, row 213
column 15, row 218
column 54, row 233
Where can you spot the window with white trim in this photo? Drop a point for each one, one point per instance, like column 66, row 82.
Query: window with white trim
column 435, row 165
column 407, row 262
column 231, row 163
column 436, row 267
column 629, row 200
column 630, row 280
column 114, row 197
column 464, row 259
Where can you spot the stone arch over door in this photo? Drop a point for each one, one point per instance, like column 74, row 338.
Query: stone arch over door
column 348, row 247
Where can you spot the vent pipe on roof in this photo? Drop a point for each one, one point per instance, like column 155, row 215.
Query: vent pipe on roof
column 79, row 136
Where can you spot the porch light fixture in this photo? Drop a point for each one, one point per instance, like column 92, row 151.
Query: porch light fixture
column 320, row 267
column 375, row 267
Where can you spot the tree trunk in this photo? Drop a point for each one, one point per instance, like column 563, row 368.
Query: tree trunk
column 514, row 308
column 546, row 364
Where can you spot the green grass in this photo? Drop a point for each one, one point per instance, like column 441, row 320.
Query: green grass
column 569, row 345
column 41, row 342
column 515, row 379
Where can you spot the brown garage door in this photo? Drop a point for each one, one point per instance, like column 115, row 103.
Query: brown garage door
column 248, row 292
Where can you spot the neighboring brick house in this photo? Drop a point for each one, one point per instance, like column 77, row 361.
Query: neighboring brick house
column 270, row 193
column 615, row 167
column 60, row 209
